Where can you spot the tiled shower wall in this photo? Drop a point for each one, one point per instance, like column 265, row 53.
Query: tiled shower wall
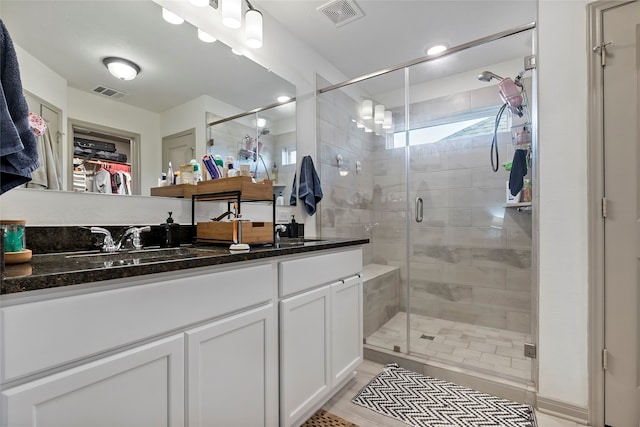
column 470, row 258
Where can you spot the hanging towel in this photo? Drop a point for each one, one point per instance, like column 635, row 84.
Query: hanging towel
column 518, row 171
column 294, row 192
column 18, row 146
column 309, row 187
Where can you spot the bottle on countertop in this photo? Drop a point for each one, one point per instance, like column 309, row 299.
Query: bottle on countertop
column 293, row 227
column 280, row 200
column 170, row 239
column 170, row 177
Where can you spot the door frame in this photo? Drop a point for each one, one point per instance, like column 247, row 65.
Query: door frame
column 595, row 194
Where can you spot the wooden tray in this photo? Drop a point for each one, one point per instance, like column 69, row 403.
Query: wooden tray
column 250, row 191
column 222, row 232
column 179, row 190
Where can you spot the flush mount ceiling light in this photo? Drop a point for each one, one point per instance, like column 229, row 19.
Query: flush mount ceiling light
column 205, row 37
column 436, row 49
column 171, row 17
column 231, row 13
column 121, row 68
column 283, row 98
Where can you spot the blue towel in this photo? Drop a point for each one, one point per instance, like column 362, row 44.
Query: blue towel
column 309, row 186
column 294, row 192
column 518, row 171
column 18, row 144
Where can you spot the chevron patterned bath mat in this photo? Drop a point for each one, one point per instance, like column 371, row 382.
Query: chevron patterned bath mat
column 423, row 401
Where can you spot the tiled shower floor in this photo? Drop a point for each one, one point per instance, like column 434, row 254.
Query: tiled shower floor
column 488, row 350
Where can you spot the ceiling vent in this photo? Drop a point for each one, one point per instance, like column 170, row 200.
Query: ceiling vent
column 341, row 12
column 111, row 93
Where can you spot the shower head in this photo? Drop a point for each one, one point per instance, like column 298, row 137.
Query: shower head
column 486, row 76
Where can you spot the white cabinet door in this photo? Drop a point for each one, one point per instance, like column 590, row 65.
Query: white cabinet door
column 143, row 386
column 346, row 328
column 232, row 371
column 304, row 353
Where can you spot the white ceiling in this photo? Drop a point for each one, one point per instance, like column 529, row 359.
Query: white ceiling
column 72, row 37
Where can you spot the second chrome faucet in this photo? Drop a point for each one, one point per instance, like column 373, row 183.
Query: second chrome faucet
column 131, row 233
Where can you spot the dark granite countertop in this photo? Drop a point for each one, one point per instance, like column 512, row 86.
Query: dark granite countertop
column 71, row 268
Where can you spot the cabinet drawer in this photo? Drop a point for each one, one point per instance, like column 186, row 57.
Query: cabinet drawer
column 44, row 334
column 306, row 273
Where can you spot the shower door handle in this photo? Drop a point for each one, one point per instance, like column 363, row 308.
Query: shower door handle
column 419, row 209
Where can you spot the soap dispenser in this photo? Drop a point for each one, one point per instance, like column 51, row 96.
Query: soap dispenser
column 170, row 239
column 293, row 227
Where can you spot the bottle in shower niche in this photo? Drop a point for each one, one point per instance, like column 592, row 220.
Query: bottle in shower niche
column 280, row 199
column 274, row 173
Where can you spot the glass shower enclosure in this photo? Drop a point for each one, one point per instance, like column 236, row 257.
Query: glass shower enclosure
column 406, row 161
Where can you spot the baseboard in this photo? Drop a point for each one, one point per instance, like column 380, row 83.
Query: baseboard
column 567, row 411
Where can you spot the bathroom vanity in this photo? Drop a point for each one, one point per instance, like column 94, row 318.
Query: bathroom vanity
column 262, row 338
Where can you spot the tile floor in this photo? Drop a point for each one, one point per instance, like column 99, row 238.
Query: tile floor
column 488, row 350
column 341, row 405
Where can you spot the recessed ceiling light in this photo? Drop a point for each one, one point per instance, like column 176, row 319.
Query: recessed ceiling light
column 171, row 17
column 283, row 98
column 434, row 50
column 237, row 52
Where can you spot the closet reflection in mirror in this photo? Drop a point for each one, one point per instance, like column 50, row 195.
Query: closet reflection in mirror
column 181, row 81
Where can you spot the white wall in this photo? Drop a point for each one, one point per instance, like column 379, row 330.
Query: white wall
column 103, row 111
column 563, row 308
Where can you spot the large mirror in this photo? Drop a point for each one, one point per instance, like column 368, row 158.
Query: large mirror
column 183, row 83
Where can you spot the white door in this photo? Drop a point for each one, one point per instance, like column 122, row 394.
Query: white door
column 346, row 328
column 139, row 387
column 621, row 26
column 304, row 353
column 178, row 149
column 232, row 371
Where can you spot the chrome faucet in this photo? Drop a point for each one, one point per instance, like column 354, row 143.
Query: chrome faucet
column 280, row 227
column 109, row 245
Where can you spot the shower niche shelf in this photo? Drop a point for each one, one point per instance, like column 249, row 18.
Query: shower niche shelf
column 517, row 205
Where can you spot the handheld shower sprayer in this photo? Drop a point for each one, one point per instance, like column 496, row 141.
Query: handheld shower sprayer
column 486, row 76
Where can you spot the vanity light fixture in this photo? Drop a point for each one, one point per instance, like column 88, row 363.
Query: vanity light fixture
column 205, row 37
column 231, row 13
column 121, row 68
column 171, row 17
column 379, row 114
column 367, row 109
column 253, row 27
column 388, row 120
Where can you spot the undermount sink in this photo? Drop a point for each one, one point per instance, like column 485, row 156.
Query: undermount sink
column 139, row 256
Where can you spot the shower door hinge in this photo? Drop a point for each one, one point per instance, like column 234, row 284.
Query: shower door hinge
column 605, row 357
column 604, row 207
column 602, row 50
column 530, row 350
column 529, row 62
